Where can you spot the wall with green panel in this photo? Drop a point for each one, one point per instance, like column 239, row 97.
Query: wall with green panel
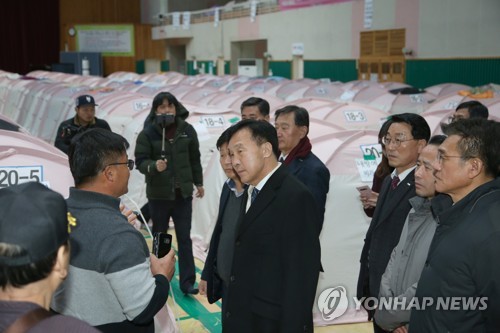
column 165, row 65
column 473, row 72
column 335, row 70
column 140, row 67
column 281, row 68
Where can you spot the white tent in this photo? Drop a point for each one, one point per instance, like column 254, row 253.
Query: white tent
column 345, row 226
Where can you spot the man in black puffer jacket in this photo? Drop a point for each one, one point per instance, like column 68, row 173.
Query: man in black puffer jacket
column 461, row 277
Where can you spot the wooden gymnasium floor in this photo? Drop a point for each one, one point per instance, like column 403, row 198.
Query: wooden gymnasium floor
column 196, row 315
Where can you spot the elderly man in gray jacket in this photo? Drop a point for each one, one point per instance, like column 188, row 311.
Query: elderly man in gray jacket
column 408, row 257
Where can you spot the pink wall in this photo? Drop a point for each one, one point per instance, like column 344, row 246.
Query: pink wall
column 407, row 16
column 248, row 30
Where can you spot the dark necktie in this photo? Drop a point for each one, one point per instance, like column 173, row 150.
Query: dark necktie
column 394, row 182
column 255, row 192
column 281, row 160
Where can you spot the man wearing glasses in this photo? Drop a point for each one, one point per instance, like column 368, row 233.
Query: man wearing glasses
column 405, row 139
column 113, row 283
column 462, row 270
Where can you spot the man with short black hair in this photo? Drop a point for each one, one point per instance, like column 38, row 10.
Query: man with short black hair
column 114, row 283
column 34, row 258
column 84, row 119
column 470, row 109
column 461, row 270
column 215, row 277
column 255, row 108
column 406, row 137
column 276, row 261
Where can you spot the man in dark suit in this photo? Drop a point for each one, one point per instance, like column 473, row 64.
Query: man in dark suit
column 276, row 260
column 407, row 136
column 292, row 126
column 216, row 273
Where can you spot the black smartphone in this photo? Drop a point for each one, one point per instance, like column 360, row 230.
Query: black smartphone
column 162, row 242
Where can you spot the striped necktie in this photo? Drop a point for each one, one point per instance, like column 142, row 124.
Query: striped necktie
column 394, row 182
column 255, row 192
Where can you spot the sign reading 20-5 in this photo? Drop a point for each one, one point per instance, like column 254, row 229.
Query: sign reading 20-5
column 13, row 175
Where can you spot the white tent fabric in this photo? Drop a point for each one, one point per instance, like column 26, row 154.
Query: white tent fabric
column 344, row 153
column 446, row 102
column 444, row 89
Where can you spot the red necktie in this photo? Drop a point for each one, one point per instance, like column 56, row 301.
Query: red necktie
column 394, row 182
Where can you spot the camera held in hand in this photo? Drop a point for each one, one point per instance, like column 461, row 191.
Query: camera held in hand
column 69, row 131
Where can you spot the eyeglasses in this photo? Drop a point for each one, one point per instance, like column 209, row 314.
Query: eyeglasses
column 397, row 141
column 441, row 157
column 452, row 119
column 130, row 164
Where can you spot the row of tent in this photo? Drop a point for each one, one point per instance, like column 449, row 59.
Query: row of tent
column 343, row 133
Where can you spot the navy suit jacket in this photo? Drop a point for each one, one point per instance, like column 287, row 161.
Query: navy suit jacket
column 315, row 176
column 384, row 232
column 209, row 274
column 276, row 260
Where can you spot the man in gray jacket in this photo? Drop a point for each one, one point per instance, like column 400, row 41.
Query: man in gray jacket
column 408, row 257
column 114, row 283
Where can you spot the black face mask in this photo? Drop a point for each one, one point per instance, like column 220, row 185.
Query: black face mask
column 165, row 119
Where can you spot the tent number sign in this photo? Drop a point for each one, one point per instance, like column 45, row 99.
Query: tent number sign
column 354, row 116
column 213, row 121
column 13, row 175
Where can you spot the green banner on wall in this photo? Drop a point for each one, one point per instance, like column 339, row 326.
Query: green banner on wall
column 110, row 40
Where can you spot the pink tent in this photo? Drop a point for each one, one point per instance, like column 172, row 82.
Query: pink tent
column 152, row 88
column 445, row 89
column 25, row 158
column 261, row 86
column 345, row 226
column 293, row 90
column 400, row 103
column 435, row 117
column 7, row 120
column 311, row 103
column 446, row 102
column 124, row 76
column 197, row 94
column 123, row 109
column 364, row 94
column 394, row 85
column 272, row 100
column 350, row 116
column 325, row 90
column 49, row 106
column 358, row 84
column 181, row 90
column 222, row 99
column 493, row 105
column 234, row 99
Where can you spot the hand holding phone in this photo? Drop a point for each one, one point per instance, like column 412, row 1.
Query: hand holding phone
column 162, row 242
column 363, row 188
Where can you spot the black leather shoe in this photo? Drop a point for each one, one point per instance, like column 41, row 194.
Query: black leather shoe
column 191, row 291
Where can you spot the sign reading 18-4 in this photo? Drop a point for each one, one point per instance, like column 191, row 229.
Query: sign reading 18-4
column 13, row 175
